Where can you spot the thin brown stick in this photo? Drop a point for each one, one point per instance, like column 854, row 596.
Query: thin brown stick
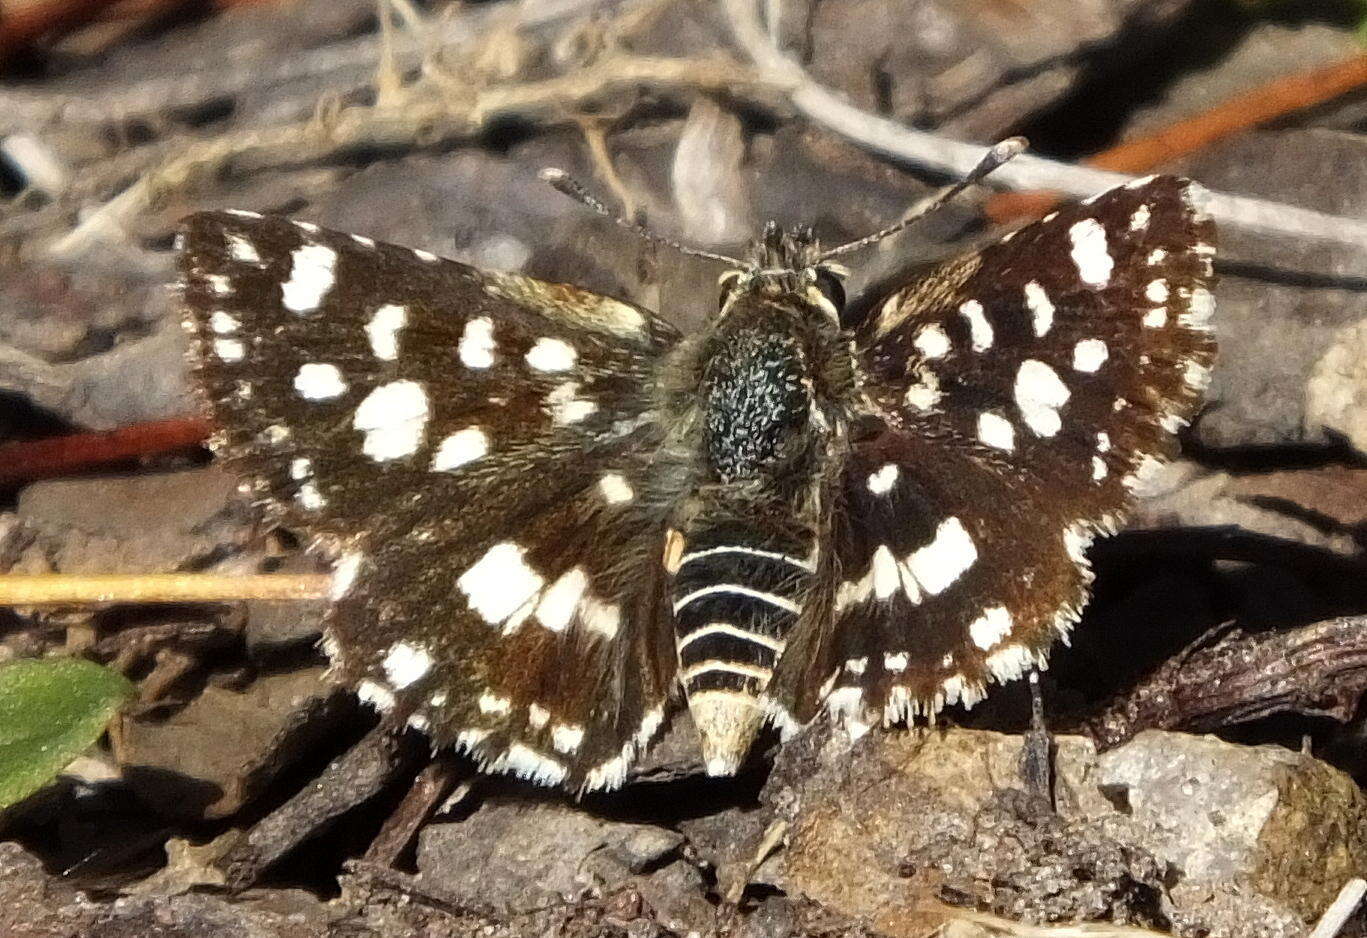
column 63, row 589
column 1316, row 670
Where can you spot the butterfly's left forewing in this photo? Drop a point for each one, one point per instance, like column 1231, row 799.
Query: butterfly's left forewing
column 1013, row 399
column 473, row 449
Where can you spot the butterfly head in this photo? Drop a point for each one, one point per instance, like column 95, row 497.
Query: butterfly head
column 786, row 264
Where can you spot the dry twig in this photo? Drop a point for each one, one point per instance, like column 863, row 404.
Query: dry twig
column 1025, row 172
column 1317, row 670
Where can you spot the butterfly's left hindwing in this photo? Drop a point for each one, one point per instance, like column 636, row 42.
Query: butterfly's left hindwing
column 1013, row 399
column 472, row 448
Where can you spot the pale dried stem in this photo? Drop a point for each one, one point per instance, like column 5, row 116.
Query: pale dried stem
column 76, row 590
column 422, row 115
column 1026, row 172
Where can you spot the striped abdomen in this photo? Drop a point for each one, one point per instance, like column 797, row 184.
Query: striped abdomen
column 737, row 595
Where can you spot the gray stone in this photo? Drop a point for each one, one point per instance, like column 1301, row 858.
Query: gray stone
column 211, row 757
column 1170, row 831
column 520, row 856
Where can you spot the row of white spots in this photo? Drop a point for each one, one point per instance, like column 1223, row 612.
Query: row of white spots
column 930, row 569
column 503, row 589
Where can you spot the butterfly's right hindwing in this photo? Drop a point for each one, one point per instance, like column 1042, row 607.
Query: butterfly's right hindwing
column 472, row 447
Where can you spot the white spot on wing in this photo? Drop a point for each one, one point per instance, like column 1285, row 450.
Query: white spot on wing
column 383, row 331
column 1039, row 395
column 882, row 481
column 476, row 348
column 599, row 617
column 566, row 737
column 932, row 341
column 1156, row 318
column 886, row 576
column 1090, row 354
column 309, row 497
column 1140, row 219
column 242, row 250
column 1041, row 309
column 319, row 382
column 375, row 694
column 405, row 663
column 565, row 405
column 311, row 277
column 344, row 573
column 937, row 565
column 995, row 430
column 1099, row 469
column 219, row 284
column 980, row 330
column 552, row 355
column 230, row 350
column 222, row 323
column 615, row 488
column 461, row 447
column 557, row 606
column 1157, row 291
column 1091, row 253
column 494, row 705
column 537, row 716
column 990, row 627
column 924, row 394
column 393, row 418
column 500, row 582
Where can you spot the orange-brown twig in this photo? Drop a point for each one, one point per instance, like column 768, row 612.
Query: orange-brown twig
column 1242, row 112
column 25, row 460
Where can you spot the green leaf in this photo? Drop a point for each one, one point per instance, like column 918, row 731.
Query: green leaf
column 51, row 710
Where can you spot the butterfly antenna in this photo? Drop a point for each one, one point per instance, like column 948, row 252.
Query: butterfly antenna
column 1000, row 153
column 564, row 183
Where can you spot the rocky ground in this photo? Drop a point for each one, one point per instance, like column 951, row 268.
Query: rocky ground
column 244, row 795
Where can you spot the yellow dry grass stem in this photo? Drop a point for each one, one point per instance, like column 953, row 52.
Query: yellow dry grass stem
column 78, row 590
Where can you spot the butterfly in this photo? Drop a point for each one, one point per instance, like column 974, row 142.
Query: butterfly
column 552, row 517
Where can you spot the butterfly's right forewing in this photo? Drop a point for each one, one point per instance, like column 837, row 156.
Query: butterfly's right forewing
column 472, row 448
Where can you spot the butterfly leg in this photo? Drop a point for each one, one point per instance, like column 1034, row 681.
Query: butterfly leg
column 1037, row 755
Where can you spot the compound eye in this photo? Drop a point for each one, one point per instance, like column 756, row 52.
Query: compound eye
column 831, row 288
